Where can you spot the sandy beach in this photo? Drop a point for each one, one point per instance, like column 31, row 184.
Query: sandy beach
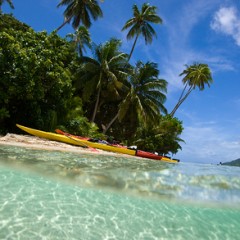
column 40, row 143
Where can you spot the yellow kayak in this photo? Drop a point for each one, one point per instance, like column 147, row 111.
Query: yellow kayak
column 85, row 143
column 75, row 141
column 169, row 160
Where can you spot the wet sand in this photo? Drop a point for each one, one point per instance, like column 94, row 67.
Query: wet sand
column 41, row 143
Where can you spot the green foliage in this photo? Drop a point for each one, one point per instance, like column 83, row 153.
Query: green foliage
column 196, row 75
column 232, row 163
column 140, row 24
column 81, row 126
column 76, row 123
column 146, row 93
column 36, row 76
column 163, row 138
column 8, row 1
column 104, row 71
column 36, row 89
column 80, row 12
column 80, row 39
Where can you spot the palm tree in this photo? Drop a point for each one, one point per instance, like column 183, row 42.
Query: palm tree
column 106, row 68
column 80, row 11
column 139, row 24
column 80, row 39
column 145, row 95
column 196, row 75
column 8, row 1
column 162, row 137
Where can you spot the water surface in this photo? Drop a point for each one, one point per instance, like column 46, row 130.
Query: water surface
column 63, row 195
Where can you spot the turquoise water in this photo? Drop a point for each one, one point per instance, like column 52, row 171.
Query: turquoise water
column 63, row 195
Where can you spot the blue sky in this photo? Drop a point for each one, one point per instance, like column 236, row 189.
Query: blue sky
column 192, row 31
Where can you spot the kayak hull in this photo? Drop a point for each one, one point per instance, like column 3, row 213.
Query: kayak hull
column 75, row 141
column 144, row 154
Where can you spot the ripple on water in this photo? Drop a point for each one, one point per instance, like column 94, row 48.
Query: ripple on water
column 37, row 206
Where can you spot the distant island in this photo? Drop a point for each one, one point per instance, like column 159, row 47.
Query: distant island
column 232, row 163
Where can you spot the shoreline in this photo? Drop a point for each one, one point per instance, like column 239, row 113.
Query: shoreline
column 34, row 142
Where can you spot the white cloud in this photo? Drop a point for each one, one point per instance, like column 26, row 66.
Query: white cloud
column 208, row 144
column 180, row 26
column 219, row 63
column 227, row 21
column 181, row 48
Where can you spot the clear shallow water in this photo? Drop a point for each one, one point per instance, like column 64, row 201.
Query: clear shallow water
column 60, row 195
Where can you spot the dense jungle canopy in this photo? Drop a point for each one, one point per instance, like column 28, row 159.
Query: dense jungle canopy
column 46, row 83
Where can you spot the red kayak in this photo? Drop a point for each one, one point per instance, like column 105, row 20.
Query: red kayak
column 144, row 154
column 139, row 153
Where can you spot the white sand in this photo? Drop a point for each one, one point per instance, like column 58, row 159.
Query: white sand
column 40, row 143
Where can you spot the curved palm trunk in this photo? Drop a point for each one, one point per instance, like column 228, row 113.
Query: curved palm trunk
column 133, row 47
column 97, row 101
column 110, row 124
column 63, row 24
column 78, row 47
column 182, row 93
column 181, row 100
column 80, row 52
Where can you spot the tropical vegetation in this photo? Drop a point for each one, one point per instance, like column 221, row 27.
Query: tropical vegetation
column 80, row 39
column 80, row 12
column 140, row 24
column 232, row 163
column 36, row 75
column 102, row 72
column 10, row 3
column 144, row 97
column 196, row 75
column 89, row 89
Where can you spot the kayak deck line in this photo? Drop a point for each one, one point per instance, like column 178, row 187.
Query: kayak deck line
column 72, row 137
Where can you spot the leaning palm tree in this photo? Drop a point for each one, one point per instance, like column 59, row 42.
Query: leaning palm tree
column 80, row 11
column 163, row 137
column 106, row 68
column 140, row 24
column 8, row 1
column 196, row 75
column 80, row 39
column 145, row 95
